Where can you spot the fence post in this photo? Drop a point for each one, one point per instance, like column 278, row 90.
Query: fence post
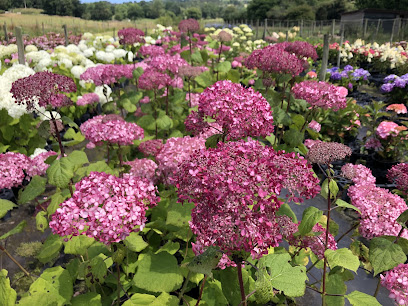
column 265, row 28
column 398, row 27
column 365, row 28
column 323, row 68
column 378, row 28
column 66, row 34
column 313, row 28
column 341, row 43
column 20, row 46
column 5, row 31
column 287, row 35
column 392, row 32
column 257, row 29
column 333, row 28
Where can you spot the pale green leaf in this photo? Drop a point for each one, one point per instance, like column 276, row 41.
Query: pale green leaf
column 357, row 298
column 343, row 258
column 5, row 206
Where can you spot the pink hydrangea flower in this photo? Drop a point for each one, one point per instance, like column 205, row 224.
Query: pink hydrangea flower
column 108, row 74
column 327, row 152
column 151, row 147
column 44, row 87
column 240, row 111
column 399, row 175
column 38, row 166
column 315, row 126
column 388, row 128
column 143, row 168
column 174, row 152
column 129, row 36
column 373, row 143
column 112, row 129
column 151, row 51
column 359, row 174
column 189, row 25
column 396, row 281
column 398, row 108
column 167, row 63
column 301, row 49
column 153, row 80
column 105, row 207
column 235, row 190
column 145, row 100
column 12, row 169
column 88, row 98
column 320, row 94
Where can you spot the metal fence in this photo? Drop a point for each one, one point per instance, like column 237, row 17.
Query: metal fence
column 379, row 30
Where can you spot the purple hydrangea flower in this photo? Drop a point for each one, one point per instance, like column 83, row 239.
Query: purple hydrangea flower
column 348, row 68
column 390, row 78
column 388, row 87
column 399, row 82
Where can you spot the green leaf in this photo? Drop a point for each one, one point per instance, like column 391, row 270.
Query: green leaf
column 70, row 122
column 78, row 245
column 385, row 255
column 60, row 172
column 335, row 285
column 342, row 203
column 293, row 137
column 34, row 189
column 179, row 214
column 170, row 247
column 87, row 299
column 147, row 122
column 139, row 299
column 264, row 290
column 213, row 140
column 205, row 262
column 357, row 298
column 5, row 206
column 128, row 105
column 18, row 229
column 99, row 268
column 233, row 75
column 165, row 299
column 403, row 219
column 158, row 273
column 343, row 258
column 298, row 120
column 137, row 72
column 56, row 199
column 280, row 116
column 7, row 293
column 196, row 57
column 41, row 221
column 76, row 137
column 284, row 277
column 212, row 294
column 50, row 248
column 230, row 285
column 135, row 242
column 53, row 287
column 78, row 158
column 164, row 123
column 205, row 79
column 223, row 67
column 285, row 210
column 334, row 189
column 310, row 217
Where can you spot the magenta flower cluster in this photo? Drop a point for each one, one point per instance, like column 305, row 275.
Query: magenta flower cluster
column 396, row 281
column 45, row 88
column 189, row 25
column 174, row 152
column 151, row 147
column 111, row 129
column 108, row 74
column 38, row 165
column 398, row 174
column 105, row 207
column 379, row 207
column 240, row 111
column 274, row 59
column 88, row 98
column 153, row 80
column 235, row 190
column 167, row 63
column 151, row 51
column 143, row 168
column 301, row 49
column 129, row 36
column 320, row 94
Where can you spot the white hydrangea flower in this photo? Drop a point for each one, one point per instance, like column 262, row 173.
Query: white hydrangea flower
column 102, row 98
column 119, row 53
column 106, row 57
column 47, row 115
column 6, row 51
column 37, row 152
column 77, row 71
column 31, row 48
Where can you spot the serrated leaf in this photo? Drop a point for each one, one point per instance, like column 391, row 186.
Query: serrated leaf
column 135, row 242
column 293, row 137
column 35, row 188
column 18, row 229
column 165, row 299
column 223, row 67
column 342, row 203
column 403, row 219
column 78, row 245
column 280, row 116
column 50, row 248
column 5, row 206
column 335, row 285
column 128, row 105
column 205, row 79
column 233, row 75
column 334, row 189
column 205, row 262
column 158, row 273
column 76, row 137
column 357, row 298
column 147, row 122
column 87, row 299
column 139, row 299
column 385, row 255
column 56, row 199
column 78, row 158
column 53, row 287
column 41, row 221
column 70, row 122
column 284, row 277
column 212, row 294
column 60, row 172
column 164, row 123
column 230, row 285
column 170, row 247
column 213, row 140
column 8, row 295
column 343, row 258
column 310, row 217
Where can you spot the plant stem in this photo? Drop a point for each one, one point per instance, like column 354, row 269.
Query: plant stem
column 14, row 260
column 119, row 284
column 241, row 283
column 201, row 291
column 377, row 289
column 183, row 289
column 326, row 241
column 120, row 160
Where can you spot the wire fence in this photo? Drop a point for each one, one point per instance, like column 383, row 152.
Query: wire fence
column 371, row 30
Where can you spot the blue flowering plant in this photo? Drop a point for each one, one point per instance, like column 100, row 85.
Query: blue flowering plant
column 349, row 76
column 396, row 87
